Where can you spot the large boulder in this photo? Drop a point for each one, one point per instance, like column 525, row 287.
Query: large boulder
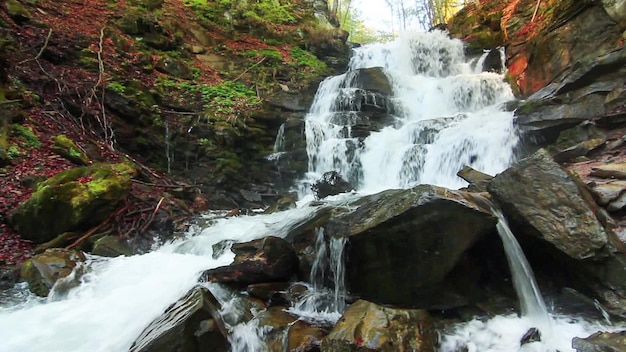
column 191, row 324
column 366, row 326
column 549, row 203
column 404, row 245
column 42, row 271
column 263, row 260
column 72, row 200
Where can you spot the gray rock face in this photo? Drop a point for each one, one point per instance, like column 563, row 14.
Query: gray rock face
column 538, row 193
column 264, row 260
column 366, row 326
column 601, row 342
column 191, row 324
column 616, row 9
column 403, row 244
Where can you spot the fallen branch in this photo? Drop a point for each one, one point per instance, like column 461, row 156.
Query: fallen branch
column 535, row 13
column 96, row 228
column 151, row 218
column 250, row 68
column 164, row 185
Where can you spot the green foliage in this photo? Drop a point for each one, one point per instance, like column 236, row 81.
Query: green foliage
column 264, row 12
column 14, row 151
column 27, row 135
column 116, row 87
column 308, row 60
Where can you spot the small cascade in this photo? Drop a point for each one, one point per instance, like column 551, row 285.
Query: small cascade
column 279, row 143
column 531, row 301
column 168, row 154
column 323, row 302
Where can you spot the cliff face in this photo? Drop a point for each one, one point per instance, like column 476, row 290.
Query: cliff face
column 542, row 38
column 190, row 91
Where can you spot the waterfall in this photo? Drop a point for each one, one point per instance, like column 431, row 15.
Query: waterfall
column 440, row 116
column 443, row 117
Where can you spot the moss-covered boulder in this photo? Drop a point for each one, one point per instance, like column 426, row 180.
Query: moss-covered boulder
column 66, row 148
column 72, row 200
column 42, row 271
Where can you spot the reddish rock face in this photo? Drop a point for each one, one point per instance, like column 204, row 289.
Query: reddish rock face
column 542, row 39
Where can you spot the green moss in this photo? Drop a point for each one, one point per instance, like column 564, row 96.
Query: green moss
column 306, row 59
column 72, row 200
column 66, row 148
column 27, row 135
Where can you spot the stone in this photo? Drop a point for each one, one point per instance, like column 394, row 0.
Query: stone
column 42, row 271
column 72, row 200
column 604, row 193
column 366, row 326
column 405, row 244
column 266, row 290
column 610, row 171
column 304, row 337
column 263, row 260
column 616, row 9
column 281, row 204
column 549, row 203
column 66, row 148
column 330, row 184
column 477, row 180
column 193, row 323
column 581, row 149
column 174, row 67
column 601, row 342
column 532, row 335
column 111, row 246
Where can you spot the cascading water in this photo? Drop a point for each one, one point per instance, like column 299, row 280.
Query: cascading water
column 443, row 117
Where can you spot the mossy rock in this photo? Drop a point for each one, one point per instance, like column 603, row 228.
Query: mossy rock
column 66, row 148
column 150, row 5
column 174, row 67
column 42, row 271
column 17, row 12
column 72, row 200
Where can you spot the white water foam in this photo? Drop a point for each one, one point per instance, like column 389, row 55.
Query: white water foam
column 445, row 116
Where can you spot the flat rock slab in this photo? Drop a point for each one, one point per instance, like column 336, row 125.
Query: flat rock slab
column 610, row 171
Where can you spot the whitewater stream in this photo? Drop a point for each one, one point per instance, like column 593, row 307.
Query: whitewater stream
column 446, row 114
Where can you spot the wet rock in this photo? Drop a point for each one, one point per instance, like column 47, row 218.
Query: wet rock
column 44, row 270
column 191, row 324
column 111, row 246
column 72, row 200
column 601, row 342
column 266, row 290
column 331, row 184
column 532, row 335
column 549, row 203
column 304, row 337
column 403, row 245
column 282, row 204
column 264, row 260
column 8, row 278
column 366, row 326
column 477, row 180
column 610, row 171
